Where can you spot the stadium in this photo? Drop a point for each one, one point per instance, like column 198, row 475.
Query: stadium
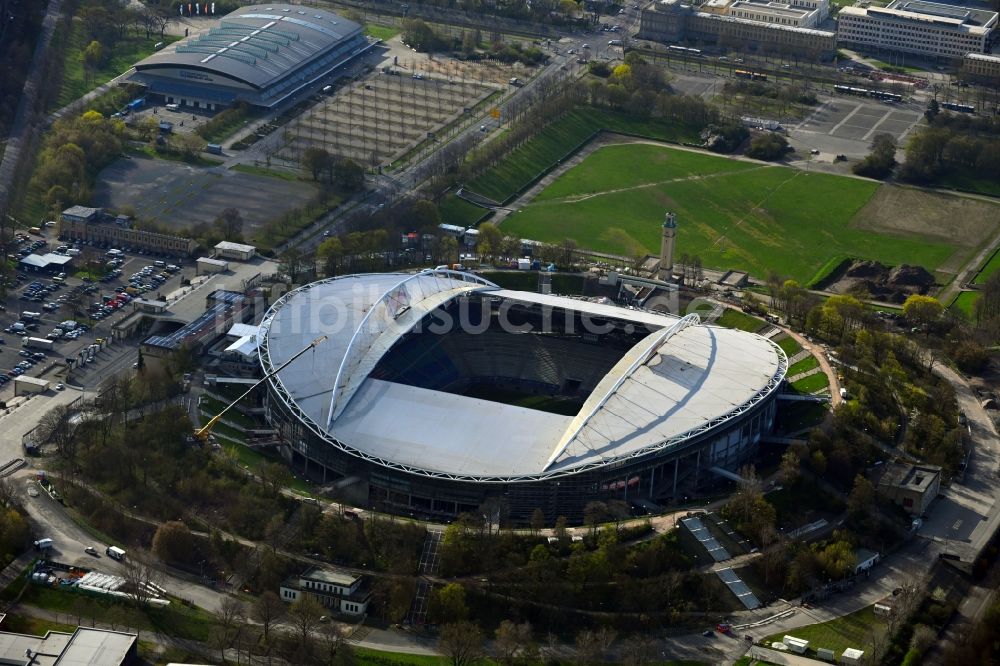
column 438, row 392
column 259, row 55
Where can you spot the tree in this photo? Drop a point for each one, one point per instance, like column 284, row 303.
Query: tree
column 329, row 252
column 425, row 216
column 594, row 514
column 447, row 604
column 305, row 615
column 638, row 650
column 316, row 161
column 229, row 225
column 461, row 642
column 173, row 542
column 768, row 146
column 141, row 576
column 537, row 520
column 348, row 175
column 292, row 263
column 93, row 56
column 862, row 497
column 267, row 610
column 511, row 639
column 933, row 109
column 882, row 158
column 275, row 476
column 230, row 619
column 790, row 466
column 922, row 310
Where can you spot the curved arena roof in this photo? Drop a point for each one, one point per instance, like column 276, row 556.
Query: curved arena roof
column 256, row 45
column 680, row 381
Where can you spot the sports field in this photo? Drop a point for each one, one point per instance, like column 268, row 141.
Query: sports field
column 741, row 214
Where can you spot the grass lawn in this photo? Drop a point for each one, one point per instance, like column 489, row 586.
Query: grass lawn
column 970, row 181
column 798, row 415
column 854, row 630
column 805, row 365
column 812, row 383
column 789, row 345
column 965, row 303
column 213, row 407
column 25, row 624
column 176, row 619
column 264, row 171
column 988, row 269
column 794, row 505
column 380, row 31
column 561, row 138
column 735, row 319
column 460, row 212
column 731, row 214
column 125, row 53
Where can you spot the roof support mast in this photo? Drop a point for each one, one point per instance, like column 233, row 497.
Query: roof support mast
column 203, row 432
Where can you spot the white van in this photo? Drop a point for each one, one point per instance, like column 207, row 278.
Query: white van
column 43, row 544
column 172, row 107
column 115, row 553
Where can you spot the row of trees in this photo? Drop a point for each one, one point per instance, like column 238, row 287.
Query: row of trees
column 75, row 150
column 942, row 148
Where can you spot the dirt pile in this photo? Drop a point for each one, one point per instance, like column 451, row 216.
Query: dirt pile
column 881, row 283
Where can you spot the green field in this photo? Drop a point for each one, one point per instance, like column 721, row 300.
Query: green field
column 561, row 138
column 731, row 214
column 125, row 53
column 789, row 345
column 380, row 31
column 735, row 319
column 856, row 630
column 988, row 269
column 965, row 303
column 806, row 364
column 970, row 181
column 460, row 212
column 812, row 383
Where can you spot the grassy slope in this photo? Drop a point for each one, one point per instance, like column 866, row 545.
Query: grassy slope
column 380, row 31
column 970, row 181
column 991, row 267
column 812, row 383
column 965, row 303
column 808, row 363
column 125, row 53
column 789, row 345
column 735, row 319
column 854, row 630
column 561, row 137
column 764, row 219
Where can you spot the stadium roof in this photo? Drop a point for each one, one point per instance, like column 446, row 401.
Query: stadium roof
column 680, row 381
column 257, row 45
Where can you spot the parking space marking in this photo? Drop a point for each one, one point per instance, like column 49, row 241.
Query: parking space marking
column 881, row 120
column 846, row 118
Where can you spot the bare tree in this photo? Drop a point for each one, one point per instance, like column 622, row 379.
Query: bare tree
column 266, row 610
column 7, row 493
column 142, row 577
column 638, row 650
column 461, row 642
column 230, row 620
column 511, row 640
column 305, row 615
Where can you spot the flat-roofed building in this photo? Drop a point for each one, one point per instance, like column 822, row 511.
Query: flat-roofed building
column 83, row 647
column 912, row 487
column 981, row 67
column 337, row 590
column 672, row 21
column 93, row 225
column 236, row 251
column 916, row 26
column 799, row 13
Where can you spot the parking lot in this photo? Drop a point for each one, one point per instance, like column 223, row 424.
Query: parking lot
column 54, row 317
column 859, row 121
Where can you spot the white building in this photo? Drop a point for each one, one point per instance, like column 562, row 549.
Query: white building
column 235, row 251
column 981, row 66
column 337, row 590
column 915, row 26
column 797, row 13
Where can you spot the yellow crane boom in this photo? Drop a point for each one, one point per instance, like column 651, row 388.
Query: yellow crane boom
column 203, row 432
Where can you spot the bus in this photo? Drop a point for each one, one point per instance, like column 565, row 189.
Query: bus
column 753, row 76
column 962, row 108
column 683, row 50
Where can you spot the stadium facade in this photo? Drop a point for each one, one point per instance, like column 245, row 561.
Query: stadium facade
column 437, row 391
column 260, row 55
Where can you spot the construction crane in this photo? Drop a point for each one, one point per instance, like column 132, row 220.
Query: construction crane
column 202, row 433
